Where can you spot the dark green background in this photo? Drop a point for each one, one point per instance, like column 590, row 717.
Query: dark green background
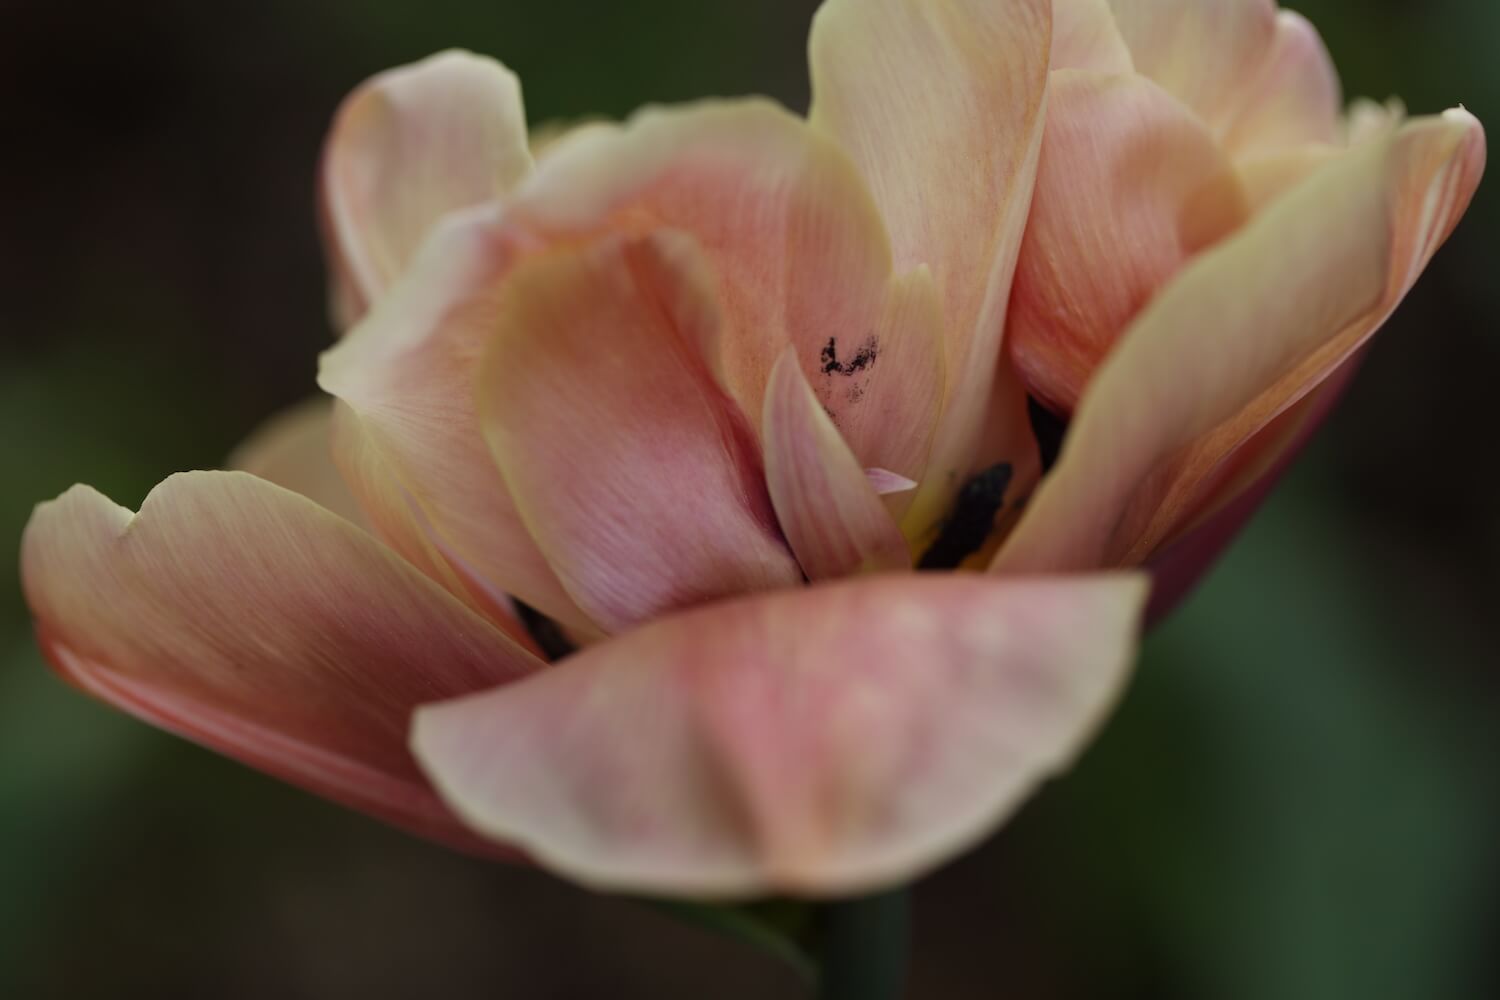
column 1298, row 800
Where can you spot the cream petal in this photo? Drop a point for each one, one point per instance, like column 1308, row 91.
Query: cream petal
column 834, row 519
column 1296, row 98
column 1131, row 185
column 1244, row 486
column 1206, row 52
column 294, row 450
column 941, row 106
column 1248, row 330
column 1267, row 176
column 408, row 147
column 823, row 741
column 1085, row 36
column 250, row 620
column 635, row 473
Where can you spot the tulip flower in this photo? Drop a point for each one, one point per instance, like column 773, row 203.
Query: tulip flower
column 641, row 434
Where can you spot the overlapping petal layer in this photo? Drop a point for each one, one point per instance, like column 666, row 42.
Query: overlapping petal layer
column 1294, row 100
column 1131, row 185
column 1245, row 332
column 407, row 436
column 798, row 254
column 941, row 106
column 633, row 470
column 1206, row 52
column 253, row 621
column 819, row 741
column 801, row 257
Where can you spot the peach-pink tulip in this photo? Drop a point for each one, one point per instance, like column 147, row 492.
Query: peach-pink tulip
column 638, row 387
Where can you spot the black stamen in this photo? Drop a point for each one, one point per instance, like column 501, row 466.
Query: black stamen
column 1049, row 429
column 548, row 634
column 864, row 358
column 973, row 518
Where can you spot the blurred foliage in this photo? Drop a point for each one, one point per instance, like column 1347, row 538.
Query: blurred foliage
column 1297, row 800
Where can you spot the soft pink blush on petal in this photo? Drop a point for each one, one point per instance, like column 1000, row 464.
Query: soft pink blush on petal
column 825, row 741
column 633, row 470
column 408, row 147
column 1295, row 100
column 250, row 620
column 797, row 246
column 834, row 520
column 1130, row 186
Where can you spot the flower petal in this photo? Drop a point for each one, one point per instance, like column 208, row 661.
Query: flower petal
column 798, row 248
column 408, row 147
column 1248, row 330
column 251, row 620
column 1267, row 176
column 1206, row 52
column 941, row 106
column 408, row 441
column 833, row 518
column 1130, row 186
column 821, row 741
column 1180, row 562
column 1085, row 36
column 294, row 450
column 634, row 471
column 1297, row 98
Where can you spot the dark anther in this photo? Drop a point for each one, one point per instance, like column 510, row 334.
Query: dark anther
column 973, row 518
column 547, row 633
column 1049, row 429
column 863, row 358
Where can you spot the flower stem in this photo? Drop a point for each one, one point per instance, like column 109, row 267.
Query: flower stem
column 864, row 947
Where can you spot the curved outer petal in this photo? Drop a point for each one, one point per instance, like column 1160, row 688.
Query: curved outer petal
column 1130, row 186
column 800, row 253
column 408, row 147
column 633, row 470
column 821, row 741
column 407, row 439
column 1247, row 331
column 1085, row 36
column 941, row 106
column 1178, row 565
column 294, row 450
column 1206, row 52
column 1296, row 98
column 833, row 517
column 251, row 620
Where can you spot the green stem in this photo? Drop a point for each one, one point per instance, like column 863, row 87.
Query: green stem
column 864, row 947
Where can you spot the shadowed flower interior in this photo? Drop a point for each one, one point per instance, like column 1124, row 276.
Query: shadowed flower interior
column 642, row 431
